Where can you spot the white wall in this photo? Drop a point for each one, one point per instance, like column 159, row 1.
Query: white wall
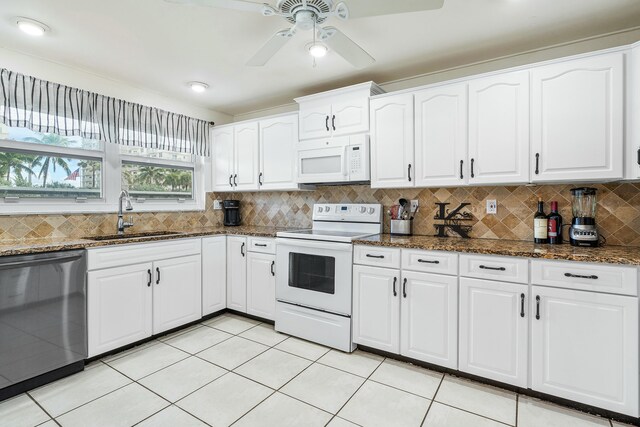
column 82, row 79
column 492, row 64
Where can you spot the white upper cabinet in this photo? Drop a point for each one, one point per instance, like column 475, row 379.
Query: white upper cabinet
column 336, row 113
column 392, row 133
column 499, row 129
column 632, row 164
column 441, row 136
column 278, row 139
column 246, row 157
column 578, row 119
column 222, row 153
column 584, row 347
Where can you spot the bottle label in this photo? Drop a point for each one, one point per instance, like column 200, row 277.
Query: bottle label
column 553, row 227
column 540, row 228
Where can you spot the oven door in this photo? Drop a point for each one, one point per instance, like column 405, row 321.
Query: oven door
column 314, row 274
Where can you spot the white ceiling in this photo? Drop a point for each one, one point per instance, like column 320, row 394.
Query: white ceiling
column 160, row 46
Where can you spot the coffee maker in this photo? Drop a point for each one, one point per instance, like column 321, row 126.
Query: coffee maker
column 583, row 230
column 231, row 212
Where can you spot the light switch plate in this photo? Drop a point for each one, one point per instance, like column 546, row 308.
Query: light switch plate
column 414, row 205
column 217, row 205
column 492, row 207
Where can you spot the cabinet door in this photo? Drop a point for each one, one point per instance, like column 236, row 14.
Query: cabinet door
column 119, row 307
column 632, row 165
column 278, row 140
column 499, row 129
column 350, row 115
column 246, row 156
column 177, row 292
column 578, row 119
column 392, row 134
column 315, row 120
column 493, row 332
column 441, row 136
column 261, row 285
column 584, row 347
column 237, row 273
column 214, row 274
column 222, row 154
column 376, row 308
column 429, row 318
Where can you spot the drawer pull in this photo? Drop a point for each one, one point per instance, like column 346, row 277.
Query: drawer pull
column 375, row 256
column 579, row 276
column 521, row 305
column 426, row 261
column 486, row 267
column 395, row 280
column 404, row 287
column 261, row 245
column 537, row 307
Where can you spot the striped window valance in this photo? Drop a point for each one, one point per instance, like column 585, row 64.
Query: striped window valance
column 48, row 107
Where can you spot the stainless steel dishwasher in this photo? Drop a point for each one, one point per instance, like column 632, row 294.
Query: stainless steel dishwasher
column 43, row 326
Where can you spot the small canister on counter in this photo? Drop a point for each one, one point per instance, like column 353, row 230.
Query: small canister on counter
column 402, row 227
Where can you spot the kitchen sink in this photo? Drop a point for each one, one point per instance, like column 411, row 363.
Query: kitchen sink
column 131, row 235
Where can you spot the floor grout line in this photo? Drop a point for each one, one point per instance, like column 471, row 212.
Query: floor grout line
column 433, row 399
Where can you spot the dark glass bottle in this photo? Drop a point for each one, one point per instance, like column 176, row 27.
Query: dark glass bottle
column 540, row 223
column 554, row 225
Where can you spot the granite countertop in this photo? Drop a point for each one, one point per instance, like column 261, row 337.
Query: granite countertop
column 53, row 244
column 605, row 254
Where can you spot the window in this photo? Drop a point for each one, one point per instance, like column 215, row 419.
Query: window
column 51, row 173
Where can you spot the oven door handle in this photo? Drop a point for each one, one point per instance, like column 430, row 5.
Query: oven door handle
column 294, row 245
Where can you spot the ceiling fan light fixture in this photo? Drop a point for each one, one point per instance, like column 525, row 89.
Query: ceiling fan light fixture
column 31, row 26
column 198, row 87
column 318, row 50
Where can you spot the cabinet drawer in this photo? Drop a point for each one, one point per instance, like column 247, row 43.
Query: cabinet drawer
column 508, row 269
column 430, row 261
column 119, row 255
column 585, row 276
column 262, row 245
column 377, row 256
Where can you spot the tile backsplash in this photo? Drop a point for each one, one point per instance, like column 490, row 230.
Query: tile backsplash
column 618, row 214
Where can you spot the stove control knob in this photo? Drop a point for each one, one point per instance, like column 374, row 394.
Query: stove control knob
column 362, row 209
column 371, row 211
column 327, row 208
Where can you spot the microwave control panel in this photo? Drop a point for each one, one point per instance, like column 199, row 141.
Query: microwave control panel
column 358, row 161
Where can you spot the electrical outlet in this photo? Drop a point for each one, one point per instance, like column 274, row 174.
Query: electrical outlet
column 414, row 205
column 217, row 205
column 492, row 207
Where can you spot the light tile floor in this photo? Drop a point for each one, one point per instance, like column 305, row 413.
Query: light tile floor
column 236, row 371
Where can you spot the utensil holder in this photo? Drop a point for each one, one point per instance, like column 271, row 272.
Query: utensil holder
column 401, row 227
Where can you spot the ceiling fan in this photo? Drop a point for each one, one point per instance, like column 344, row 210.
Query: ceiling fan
column 307, row 15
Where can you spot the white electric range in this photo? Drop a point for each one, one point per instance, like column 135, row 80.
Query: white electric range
column 314, row 277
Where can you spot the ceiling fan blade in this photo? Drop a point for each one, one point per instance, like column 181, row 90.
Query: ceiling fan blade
column 241, row 5
column 345, row 47
column 365, row 8
column 272, row 47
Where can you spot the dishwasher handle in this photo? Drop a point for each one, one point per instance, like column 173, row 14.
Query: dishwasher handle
column 19, row 261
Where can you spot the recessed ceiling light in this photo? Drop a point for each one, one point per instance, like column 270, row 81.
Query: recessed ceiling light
column 31, row 27
column 318, row 50
column 198, row 87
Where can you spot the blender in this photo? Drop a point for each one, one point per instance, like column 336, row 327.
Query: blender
column 583, row 226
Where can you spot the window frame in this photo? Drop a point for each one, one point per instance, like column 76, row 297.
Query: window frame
column 111, row 177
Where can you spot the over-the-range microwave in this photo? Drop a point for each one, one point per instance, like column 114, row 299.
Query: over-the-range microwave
column 335, row 160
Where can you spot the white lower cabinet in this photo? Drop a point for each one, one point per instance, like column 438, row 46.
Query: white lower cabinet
column 584, row 347
column 376, row 308
column 130, row 302
column 494, row 330
column 261, row 285
column 119, row 306
column 214, row 274
column 237, row 273
column 429, row 318
column 177, row 298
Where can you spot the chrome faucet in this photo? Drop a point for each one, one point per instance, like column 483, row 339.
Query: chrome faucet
column 122, row 224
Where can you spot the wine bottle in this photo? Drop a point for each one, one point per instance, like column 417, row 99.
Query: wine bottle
column 540, row 222
column 554, row 225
